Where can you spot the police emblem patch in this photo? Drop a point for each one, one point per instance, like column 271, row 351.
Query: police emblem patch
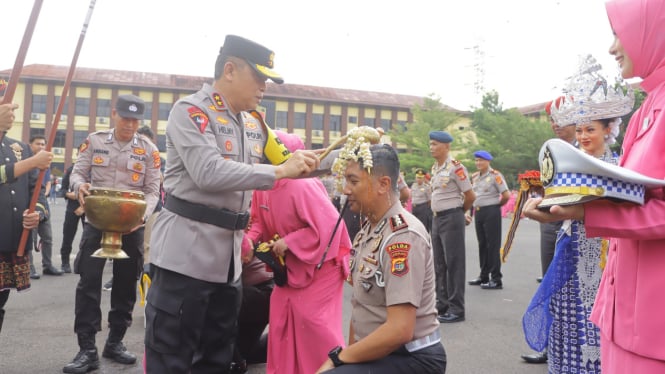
column 228, row 145
column 84, row 146
column 399, row 258
column 137, row 166
column 156, row 160
column 97, row 160
column 460, row 174
column 139, row 151
column 136, row 177
column 199, row 118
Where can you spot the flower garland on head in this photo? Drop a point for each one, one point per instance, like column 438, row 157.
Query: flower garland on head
column 355, row 148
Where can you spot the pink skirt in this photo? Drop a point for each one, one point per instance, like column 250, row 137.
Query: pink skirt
column 616, row 360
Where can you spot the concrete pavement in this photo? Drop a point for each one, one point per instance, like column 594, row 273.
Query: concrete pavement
column 38, row 332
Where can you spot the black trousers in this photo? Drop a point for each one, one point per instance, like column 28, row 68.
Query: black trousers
column 252, row 321
column 89, row 289
column 449, row 254
column 548, row 232
column 190, row 324
column 424, row 213
column 488, row 233
column 430, row 360
column 69, row 228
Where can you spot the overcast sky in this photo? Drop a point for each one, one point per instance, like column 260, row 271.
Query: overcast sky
column 415, row 47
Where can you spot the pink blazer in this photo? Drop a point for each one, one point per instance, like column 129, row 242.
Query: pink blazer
column 630, row 305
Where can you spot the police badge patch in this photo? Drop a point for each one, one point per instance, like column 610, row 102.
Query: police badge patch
column 399, row 258
column 199, row 118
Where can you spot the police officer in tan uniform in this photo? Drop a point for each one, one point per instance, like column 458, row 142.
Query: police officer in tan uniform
column 216, row 151
column 452, row 195
column 393, row 324
column 421, row 197
column 118, row 158
column 491, row 193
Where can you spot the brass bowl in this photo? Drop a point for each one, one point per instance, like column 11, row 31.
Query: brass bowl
column 114, row 212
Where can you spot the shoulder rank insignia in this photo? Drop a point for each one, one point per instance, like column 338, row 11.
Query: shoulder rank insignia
column 399, row 258
column 456, row 162
column 397, row 222
column 199, row 118
column 219, row 103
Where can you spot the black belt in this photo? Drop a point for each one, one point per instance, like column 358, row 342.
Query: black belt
column 223, row 218
column 446, row 211
column 487, row 206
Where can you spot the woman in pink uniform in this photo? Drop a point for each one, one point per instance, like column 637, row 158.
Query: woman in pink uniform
column 629, row 305
column 305, row 313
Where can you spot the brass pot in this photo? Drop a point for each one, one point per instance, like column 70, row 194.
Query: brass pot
column 114, row 212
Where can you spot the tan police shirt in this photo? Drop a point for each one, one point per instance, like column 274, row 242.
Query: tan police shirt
column 421, row 193
column 103, row 161
column 488, row 187
column 449, row 181
column 392, row 264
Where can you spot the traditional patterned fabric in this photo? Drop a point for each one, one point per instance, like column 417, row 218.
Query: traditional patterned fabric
column 558, row 315
column 14, row 272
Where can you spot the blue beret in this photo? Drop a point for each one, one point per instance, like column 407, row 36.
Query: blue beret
column 483, row 154
column 440, row 136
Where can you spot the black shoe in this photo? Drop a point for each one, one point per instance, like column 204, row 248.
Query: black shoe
column 34, row 274
column 238, row 367
column 66, row 268
column 50, row 270
column 492, row 285
column 478, row 281
column 118, row 353
column 85, row 361
column 450, row 318
column 536, row 358
column 539, row 279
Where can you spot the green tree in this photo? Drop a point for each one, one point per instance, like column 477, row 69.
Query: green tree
column 513, row 139
column 413, row 138
column 490, row 102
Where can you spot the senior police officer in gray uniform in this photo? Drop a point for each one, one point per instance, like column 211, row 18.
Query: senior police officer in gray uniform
column 215, row 144
column 421, row 198
column 491, row 193
column 452, row 195
column 393, row 325
column 118, row 158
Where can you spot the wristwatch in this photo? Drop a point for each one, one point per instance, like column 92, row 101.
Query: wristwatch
column 334, row 356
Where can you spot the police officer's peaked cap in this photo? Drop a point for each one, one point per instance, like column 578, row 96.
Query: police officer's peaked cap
column 483, row 154
column 257, row 56
column 130, row 106
column 571, row 176
column 441, row 136
column 420, row 173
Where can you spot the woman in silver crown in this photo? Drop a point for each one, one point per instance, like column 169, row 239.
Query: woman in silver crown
column 559, row 313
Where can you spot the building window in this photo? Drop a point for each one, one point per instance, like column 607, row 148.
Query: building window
column 386, row 124
column 57, row 102
column 103, row 108
column 38, row 103
column 79, row 137
column 161, row 143
column 35, row 132
column 269, row 107
column 147, row 112
column 353, row 119
column 335, row 122
column 368, row 122
column 60, row 137
column 281, row 120
column 82, row 106
column 164, row 109
column 317, row 121
column 299, row 120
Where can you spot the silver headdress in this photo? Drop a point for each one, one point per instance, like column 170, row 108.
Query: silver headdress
column 588, row 96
